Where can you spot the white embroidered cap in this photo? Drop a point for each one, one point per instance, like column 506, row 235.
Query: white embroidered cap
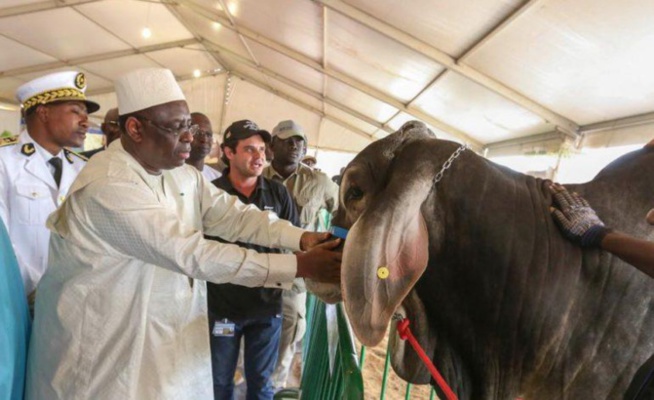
column 145, row 88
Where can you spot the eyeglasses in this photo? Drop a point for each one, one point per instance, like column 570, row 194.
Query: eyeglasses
column 190, row 128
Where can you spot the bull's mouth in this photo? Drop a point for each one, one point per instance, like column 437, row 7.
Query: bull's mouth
column 404, row 358
column 329, row 293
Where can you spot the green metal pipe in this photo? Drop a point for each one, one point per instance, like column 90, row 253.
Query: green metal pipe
column 362, row 357
column 387, row 364
column 407, row 395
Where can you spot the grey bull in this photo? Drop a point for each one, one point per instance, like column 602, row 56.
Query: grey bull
column 503, row 304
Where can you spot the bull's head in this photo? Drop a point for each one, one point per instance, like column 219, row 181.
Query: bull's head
column 386, row 251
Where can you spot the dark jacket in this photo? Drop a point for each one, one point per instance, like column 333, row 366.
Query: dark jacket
column 236, row 302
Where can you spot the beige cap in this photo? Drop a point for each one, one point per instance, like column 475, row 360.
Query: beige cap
column 145, row 88
column 60, row 86
column 287, row 129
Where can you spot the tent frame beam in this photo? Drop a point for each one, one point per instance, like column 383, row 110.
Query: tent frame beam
column 215, row 16
column 40, row 6
column 178, row 78
column 618, row 123
column 585, row 130
column 97, row 57
column 271, row 74
column 453, row 64
column 540, row 137
column 301, row 104
column 529, row 5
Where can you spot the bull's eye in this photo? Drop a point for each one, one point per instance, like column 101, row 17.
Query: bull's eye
column 353, row 193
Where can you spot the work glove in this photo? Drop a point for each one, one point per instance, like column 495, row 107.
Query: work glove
column 576, row 218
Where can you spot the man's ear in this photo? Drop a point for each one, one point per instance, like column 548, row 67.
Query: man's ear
column 134, row 129
column 229, row 153
column 42, row 112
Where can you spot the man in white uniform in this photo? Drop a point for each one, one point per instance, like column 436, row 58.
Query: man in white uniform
column 117, row 316
column 36, row 169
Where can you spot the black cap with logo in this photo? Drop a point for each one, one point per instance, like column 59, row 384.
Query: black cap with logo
column 244, row 129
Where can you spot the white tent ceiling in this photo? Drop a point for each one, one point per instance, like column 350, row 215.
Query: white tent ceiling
column 493, row 73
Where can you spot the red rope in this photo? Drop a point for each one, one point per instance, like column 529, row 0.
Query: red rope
column 405, row 334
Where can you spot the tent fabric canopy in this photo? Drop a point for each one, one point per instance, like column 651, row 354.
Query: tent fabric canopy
column 495, row 74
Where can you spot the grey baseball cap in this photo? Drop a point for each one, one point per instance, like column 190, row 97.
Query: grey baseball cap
column 287, row 129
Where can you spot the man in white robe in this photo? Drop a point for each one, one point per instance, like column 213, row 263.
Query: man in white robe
column 121, row 311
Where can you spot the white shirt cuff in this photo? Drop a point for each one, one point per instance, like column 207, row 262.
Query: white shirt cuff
column 290, row 237
column 282, row 269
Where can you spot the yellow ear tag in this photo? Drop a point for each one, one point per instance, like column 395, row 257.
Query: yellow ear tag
column 382, row 272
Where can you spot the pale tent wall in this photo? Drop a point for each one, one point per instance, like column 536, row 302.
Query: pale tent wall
column 205, row 95
column 106, row 101
column 266, row 109
column 562, row 160
column 549, row 144
column 631, row 135
column 331, row 162
column 10, row 121
column 332, row 136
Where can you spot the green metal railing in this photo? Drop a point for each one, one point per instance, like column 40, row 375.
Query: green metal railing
column 345, row 380
column 320, row 381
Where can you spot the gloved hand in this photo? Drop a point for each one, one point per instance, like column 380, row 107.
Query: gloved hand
column 576, row 218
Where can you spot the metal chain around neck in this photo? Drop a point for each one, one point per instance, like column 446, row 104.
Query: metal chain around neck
column 447, row 164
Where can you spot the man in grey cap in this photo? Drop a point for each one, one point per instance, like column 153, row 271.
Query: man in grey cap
column 312, row 192
column 122, row 310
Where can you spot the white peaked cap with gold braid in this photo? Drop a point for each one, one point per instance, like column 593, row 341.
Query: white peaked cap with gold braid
column 60, row 86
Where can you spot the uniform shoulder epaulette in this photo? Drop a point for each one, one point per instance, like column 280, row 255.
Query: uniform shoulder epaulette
column 69, row 153
column 8, row 141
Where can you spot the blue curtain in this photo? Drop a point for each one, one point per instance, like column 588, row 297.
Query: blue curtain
column 14, row 323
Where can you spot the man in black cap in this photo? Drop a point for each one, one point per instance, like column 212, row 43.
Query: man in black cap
column 236, row 312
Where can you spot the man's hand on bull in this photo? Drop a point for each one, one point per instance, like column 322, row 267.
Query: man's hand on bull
column 308, row 240
column 321, row 263
column 576, row 218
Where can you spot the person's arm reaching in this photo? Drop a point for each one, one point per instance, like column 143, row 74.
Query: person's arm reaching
column 637, row 252
column 579, row 222
column 142, row 228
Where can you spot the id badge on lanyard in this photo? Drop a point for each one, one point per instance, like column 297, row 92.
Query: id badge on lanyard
column 223, row 328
